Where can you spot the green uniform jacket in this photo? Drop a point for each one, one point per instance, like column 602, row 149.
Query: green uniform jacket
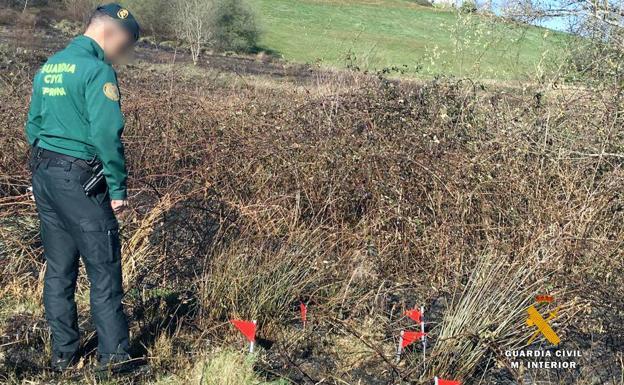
column 75, row 110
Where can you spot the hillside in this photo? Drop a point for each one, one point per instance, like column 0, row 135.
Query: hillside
column 420, row 40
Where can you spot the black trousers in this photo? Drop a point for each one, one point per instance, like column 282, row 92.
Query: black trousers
column 74, row 225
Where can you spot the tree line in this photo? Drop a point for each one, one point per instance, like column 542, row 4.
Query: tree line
column 221, row 25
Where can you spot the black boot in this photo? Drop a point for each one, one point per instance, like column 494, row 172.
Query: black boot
column 116, row 363
column 62, row 361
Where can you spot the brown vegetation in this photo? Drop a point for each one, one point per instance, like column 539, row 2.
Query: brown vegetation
column 360, row 196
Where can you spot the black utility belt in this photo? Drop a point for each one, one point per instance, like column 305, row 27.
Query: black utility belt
column 97, row 181
column 56, row 159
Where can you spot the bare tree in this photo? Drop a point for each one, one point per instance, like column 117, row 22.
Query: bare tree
column 596, row 12
column 597, row 53
column 193, row 24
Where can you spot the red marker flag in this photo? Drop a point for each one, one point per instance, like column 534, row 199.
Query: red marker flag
column 439, row 381
column 410, row 337
column 415, row 315
column 304, row 312
column 248, row 328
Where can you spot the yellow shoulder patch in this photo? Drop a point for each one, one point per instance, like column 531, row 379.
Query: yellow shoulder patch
column 111, row 91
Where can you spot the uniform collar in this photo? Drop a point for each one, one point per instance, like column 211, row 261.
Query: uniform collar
column 90, row 45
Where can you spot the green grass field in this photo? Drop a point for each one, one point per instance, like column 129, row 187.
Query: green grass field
column 424, row 41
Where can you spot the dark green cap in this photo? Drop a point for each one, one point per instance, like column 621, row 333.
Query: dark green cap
column 123, row 16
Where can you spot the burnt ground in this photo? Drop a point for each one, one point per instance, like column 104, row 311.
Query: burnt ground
column 48, row 41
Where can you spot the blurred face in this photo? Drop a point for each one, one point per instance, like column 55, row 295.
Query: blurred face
column 116, row 41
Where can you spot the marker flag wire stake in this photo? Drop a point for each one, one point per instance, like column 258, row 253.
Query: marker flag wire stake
column 406, row 338
column 249, row 331
column 440, row 381
column 252, row 344
column 423, row 335
column 400, row 347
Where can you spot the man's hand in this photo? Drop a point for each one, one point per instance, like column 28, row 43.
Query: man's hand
column 119, row 205
column 30, row 194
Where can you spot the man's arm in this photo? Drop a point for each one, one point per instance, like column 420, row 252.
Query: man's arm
column 106, row 125
column 33, row 125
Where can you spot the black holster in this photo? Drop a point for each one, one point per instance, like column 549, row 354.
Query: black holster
column 97, row 182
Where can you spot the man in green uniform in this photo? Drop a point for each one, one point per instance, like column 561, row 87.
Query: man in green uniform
column 74, row 123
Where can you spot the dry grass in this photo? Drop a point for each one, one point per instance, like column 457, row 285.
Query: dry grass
column 487, row 316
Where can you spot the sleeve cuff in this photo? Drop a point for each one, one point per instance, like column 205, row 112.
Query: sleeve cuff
column 118, row 195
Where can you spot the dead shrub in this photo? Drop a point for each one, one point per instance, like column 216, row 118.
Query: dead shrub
column 27, row 20
column 8, row 16
column 79, row 10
